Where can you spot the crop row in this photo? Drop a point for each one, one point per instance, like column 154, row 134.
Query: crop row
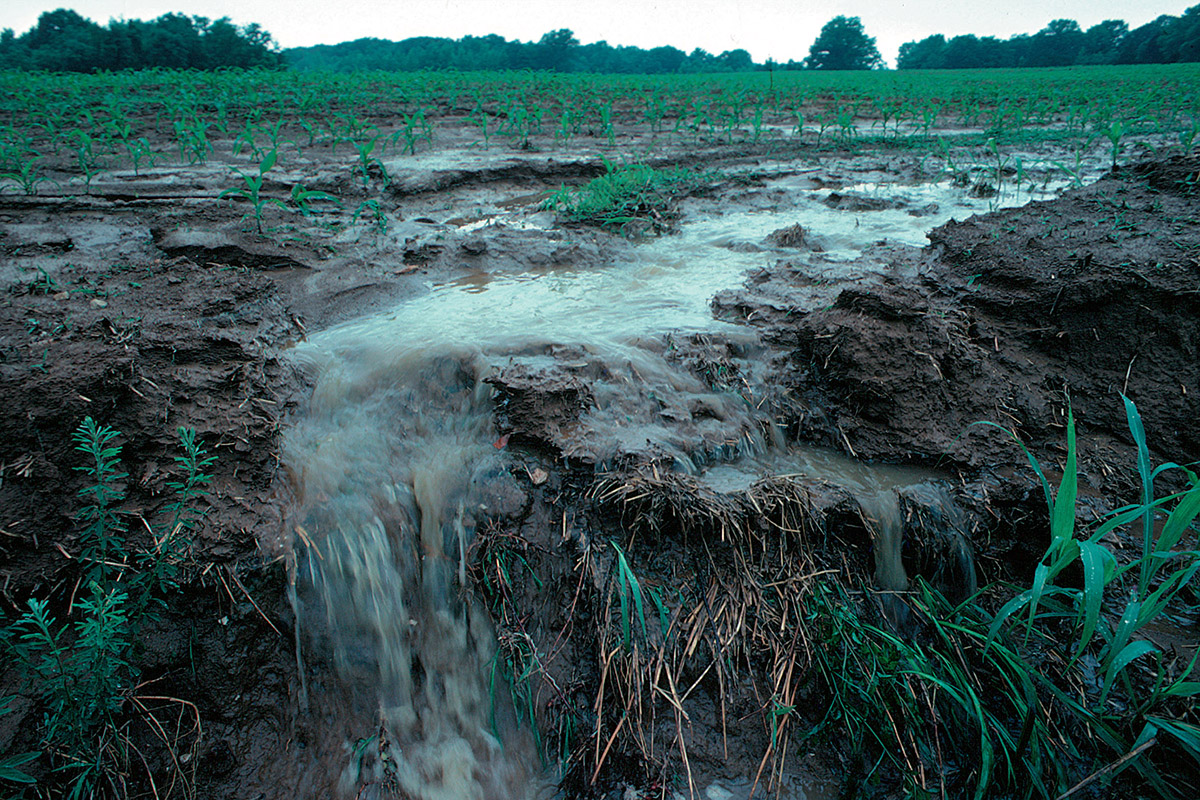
column 80, row 124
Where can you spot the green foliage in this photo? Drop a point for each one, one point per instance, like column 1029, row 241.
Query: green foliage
column 26, row 173
column 102, row 539
column 63, row 41
column 367, row 160
column 1062, row 43
column 303, row 199
column 251, row 190
column 629, row 595
column 628, row 197
column 557, row 50
column 373, row 211
column 84, row 677
column 82, row 668
column 1046, row 693
column 843, row 44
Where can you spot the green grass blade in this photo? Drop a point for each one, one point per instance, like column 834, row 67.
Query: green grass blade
column 1125, row 628
column 1178, row 522
column 1033, row 462
column 1041, row 576
column 1062, row 526
column 1162, row 596
column 1098, row 565
column 1007, row 610
column 1131, row 651
column 1138, row 431
column 1186, row 734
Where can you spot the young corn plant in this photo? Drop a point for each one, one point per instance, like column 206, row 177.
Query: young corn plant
column 303, row 199
column 27, row 173
column 86, row 157
column 366, row 160
column 251, row 190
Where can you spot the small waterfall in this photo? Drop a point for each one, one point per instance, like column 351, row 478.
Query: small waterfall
column 393, row 462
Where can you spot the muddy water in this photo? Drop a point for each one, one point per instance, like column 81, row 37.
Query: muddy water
column 396, row 460
column 872, row 486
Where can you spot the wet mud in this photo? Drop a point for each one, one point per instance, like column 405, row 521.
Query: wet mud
column 715, row 450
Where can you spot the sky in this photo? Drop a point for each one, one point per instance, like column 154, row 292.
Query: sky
column 779, row 29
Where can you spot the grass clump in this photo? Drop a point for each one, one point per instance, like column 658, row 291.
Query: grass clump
column 81, row 668
column 629, row 198
column 1057, row 691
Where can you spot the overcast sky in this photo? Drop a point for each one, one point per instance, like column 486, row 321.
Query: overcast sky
column 779, row 29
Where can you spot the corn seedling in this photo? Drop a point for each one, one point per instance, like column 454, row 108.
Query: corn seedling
column 139, row 150
column 251, row 191
column 86, row 158
column 28, row 174
column 373, row 211
column 415, row 128
column 367, row 161
column 303, row 199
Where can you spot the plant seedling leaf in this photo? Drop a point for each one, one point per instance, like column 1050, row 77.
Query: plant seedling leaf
column 1098, row 565
column 1131, row 651
column 1062, row 526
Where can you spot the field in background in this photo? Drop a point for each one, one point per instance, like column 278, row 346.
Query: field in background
column 60, row 127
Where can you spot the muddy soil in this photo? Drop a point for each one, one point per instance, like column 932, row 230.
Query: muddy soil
column 148, row 304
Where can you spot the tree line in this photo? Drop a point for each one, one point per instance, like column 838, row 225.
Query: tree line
column 63, row 41
column 558, row 50
column 1063, row 43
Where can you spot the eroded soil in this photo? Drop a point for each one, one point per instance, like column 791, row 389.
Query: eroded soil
column 148, row 305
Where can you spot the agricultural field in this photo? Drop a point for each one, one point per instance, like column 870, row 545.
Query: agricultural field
column 453, row 435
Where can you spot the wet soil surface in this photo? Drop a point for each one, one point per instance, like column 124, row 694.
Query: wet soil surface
column 148, row 305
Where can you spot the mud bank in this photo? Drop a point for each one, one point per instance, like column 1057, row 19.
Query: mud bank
column 1005, row 317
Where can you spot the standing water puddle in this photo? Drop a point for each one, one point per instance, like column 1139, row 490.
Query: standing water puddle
column 394, row 461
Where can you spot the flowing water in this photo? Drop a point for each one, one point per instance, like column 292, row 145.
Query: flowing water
column 395, row 462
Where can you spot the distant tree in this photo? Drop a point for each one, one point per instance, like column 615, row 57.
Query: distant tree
column 63, row 41
column 1056, row 45
column 1062, row 43
column 965, row 52
column 554, row 49
column 1102, row 41
column 1142, row 45
column 1181, row 39
column 735, row 61
column 929, row 53
column 843, row 44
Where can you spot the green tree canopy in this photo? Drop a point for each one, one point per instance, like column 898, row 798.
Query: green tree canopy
column 843, row 44
column 63, row 41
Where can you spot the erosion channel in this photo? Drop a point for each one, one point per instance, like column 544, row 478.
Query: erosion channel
column 438, row 428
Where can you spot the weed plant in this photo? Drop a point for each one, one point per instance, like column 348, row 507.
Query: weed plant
column 81, row 668
column 628, row 198
column 1054, row 692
